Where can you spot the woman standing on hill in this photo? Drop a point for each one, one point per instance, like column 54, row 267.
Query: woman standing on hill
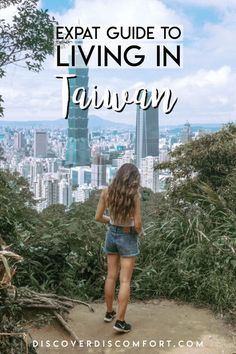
column 122, row 200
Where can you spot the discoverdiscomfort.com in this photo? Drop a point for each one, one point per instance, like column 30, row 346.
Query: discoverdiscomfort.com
column 152, row 343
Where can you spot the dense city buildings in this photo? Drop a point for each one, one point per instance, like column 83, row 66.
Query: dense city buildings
column 39, row 156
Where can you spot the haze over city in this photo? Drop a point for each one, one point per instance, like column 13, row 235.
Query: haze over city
column 205, row 85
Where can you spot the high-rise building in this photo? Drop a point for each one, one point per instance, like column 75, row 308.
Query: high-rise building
column 38, row 187
column 150, row 175
column 65, row 192
column 164, row 153
column 110, row 173
column 40, row 143
column 75, row 176
column 126, row 158
column 52, row 165
column 77, row 150
column 87, row 176
column 19, row 141
column 80, row 175
column 186, row 135
column 36, row 168
column 147, row 133
column 51, row 190
column 82, row 193
column 99, row 171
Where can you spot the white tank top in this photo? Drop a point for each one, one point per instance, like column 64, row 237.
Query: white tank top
column 130, row 222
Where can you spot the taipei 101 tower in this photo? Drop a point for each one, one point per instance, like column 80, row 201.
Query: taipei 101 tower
column 77, row 150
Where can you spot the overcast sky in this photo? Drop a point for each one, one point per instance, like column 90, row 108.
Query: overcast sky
column 205, row 86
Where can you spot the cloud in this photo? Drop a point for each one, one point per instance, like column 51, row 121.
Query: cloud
column 216, row 42
column 31, row 96
column 204, row 96
column 206, row 86
column 103, row 12
column 8, row 12
column 219, row 4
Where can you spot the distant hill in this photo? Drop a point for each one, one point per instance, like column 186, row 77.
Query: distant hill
column 95, row 122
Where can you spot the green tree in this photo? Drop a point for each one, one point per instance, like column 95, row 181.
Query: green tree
column 28, row 39
column 1, row 153
column 209, row 159
column 16, row 213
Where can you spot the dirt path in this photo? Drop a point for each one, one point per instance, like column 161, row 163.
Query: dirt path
column 162, row 324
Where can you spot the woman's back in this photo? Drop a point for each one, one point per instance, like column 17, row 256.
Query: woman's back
column 118, row 221
column 122, row 199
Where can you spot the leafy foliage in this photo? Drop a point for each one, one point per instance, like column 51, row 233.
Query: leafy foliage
column 189, row 254
column 15, row 211
column 67, row 256
column 6, row 3
column 210, row 159
column 28, row 39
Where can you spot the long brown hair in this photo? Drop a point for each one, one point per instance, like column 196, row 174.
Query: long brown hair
column 122, row 192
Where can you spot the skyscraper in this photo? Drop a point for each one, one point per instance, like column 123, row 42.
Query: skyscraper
column 19, row 141
column 186, row 134
column 150, row 175
column 77, row 150
column 99, row 171
column 147, row 133
column 40, row 143
column 65, row 192
column 51, row 190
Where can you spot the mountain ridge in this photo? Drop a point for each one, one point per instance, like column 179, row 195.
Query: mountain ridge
column 94, row 122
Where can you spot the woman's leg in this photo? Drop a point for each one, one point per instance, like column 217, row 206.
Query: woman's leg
column 113, row 265
column 126, row 271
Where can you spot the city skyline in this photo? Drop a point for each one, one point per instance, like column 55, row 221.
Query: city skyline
column 39, row 156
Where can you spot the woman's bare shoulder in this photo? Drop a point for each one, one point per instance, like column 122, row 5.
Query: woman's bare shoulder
column 137, row 196
column 104, row 193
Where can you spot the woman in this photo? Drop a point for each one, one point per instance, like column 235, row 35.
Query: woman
column 122, row 200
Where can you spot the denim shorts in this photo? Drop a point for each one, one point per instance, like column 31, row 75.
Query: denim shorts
column 119, row 242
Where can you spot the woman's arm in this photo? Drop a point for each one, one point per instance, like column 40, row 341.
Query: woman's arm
column 100, row 209
column 137, row 215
